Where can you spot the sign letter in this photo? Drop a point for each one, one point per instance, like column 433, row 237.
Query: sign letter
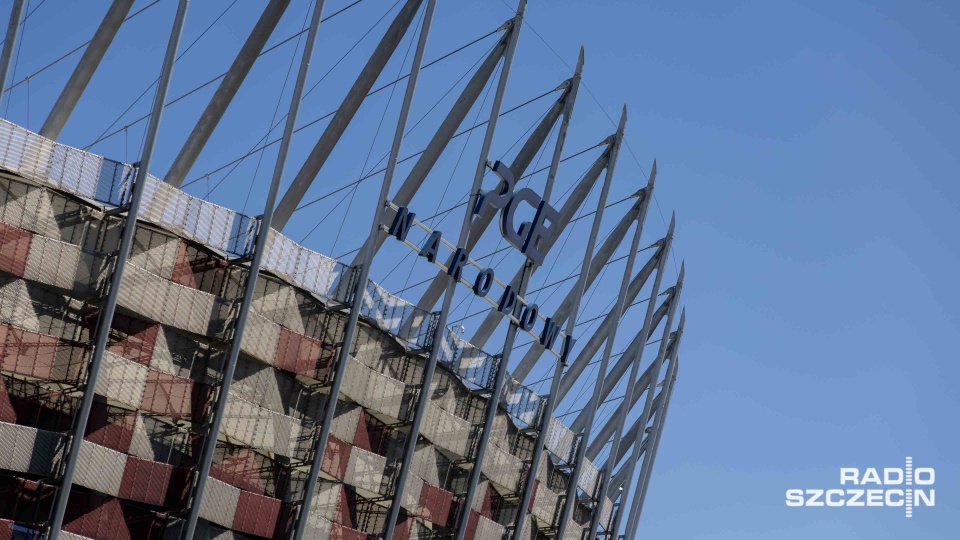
column 550, row 332
column 457, row 261
column 496, row 199
column 401, row 223
column 481, row 286
column 430, row 247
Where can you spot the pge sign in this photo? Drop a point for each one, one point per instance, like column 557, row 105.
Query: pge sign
column 530, row 237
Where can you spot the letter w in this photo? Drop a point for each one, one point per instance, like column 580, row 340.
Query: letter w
column 550, row 332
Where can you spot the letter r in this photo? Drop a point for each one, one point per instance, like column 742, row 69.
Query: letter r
column 849, row 475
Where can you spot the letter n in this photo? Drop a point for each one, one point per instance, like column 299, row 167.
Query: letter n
column 401, row 223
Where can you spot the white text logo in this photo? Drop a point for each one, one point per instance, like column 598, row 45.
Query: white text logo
column 905, row 487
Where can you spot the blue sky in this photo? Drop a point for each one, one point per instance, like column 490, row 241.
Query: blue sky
column 806, row 148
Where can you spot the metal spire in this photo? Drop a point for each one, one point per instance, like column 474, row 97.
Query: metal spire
column 558, row 392
column 547, row 415
column 620, row 307
column 225, row 93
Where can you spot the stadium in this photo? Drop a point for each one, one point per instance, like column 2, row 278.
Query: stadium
column 176, row 368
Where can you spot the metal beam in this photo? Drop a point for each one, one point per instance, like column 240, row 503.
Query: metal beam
column 105, row 320
column 631, row 435
column 569, row 103
column 85, row 69
column 597, row 338
column 501, row 373
column 260, row 247
column 573, row 481
column 9, row 44
column 410, row 444
column 443, row 135
column 648, row 407
column 650, row 457
column 345, row 113
column 606, row 432
column 647, row 318
column 547, row 415
column 620, row 307
column 225, row 93
column 329, row 412
column 634, row 369
column 625, row 361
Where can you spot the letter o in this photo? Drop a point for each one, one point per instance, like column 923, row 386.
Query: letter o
column 481, row 285
column 924, row 476
column 528, row 317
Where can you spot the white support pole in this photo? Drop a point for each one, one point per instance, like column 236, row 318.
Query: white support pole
column 263, row 233
column 410, row 444
column 651, row 455
column 490, row 413
column 571, row 494
column 9, row 44
column 608, row 348
column 571, row 324
column 343, row 357
column 648, row 405
column 123, row 253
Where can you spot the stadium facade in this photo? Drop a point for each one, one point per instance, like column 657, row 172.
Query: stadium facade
column 167, row 364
